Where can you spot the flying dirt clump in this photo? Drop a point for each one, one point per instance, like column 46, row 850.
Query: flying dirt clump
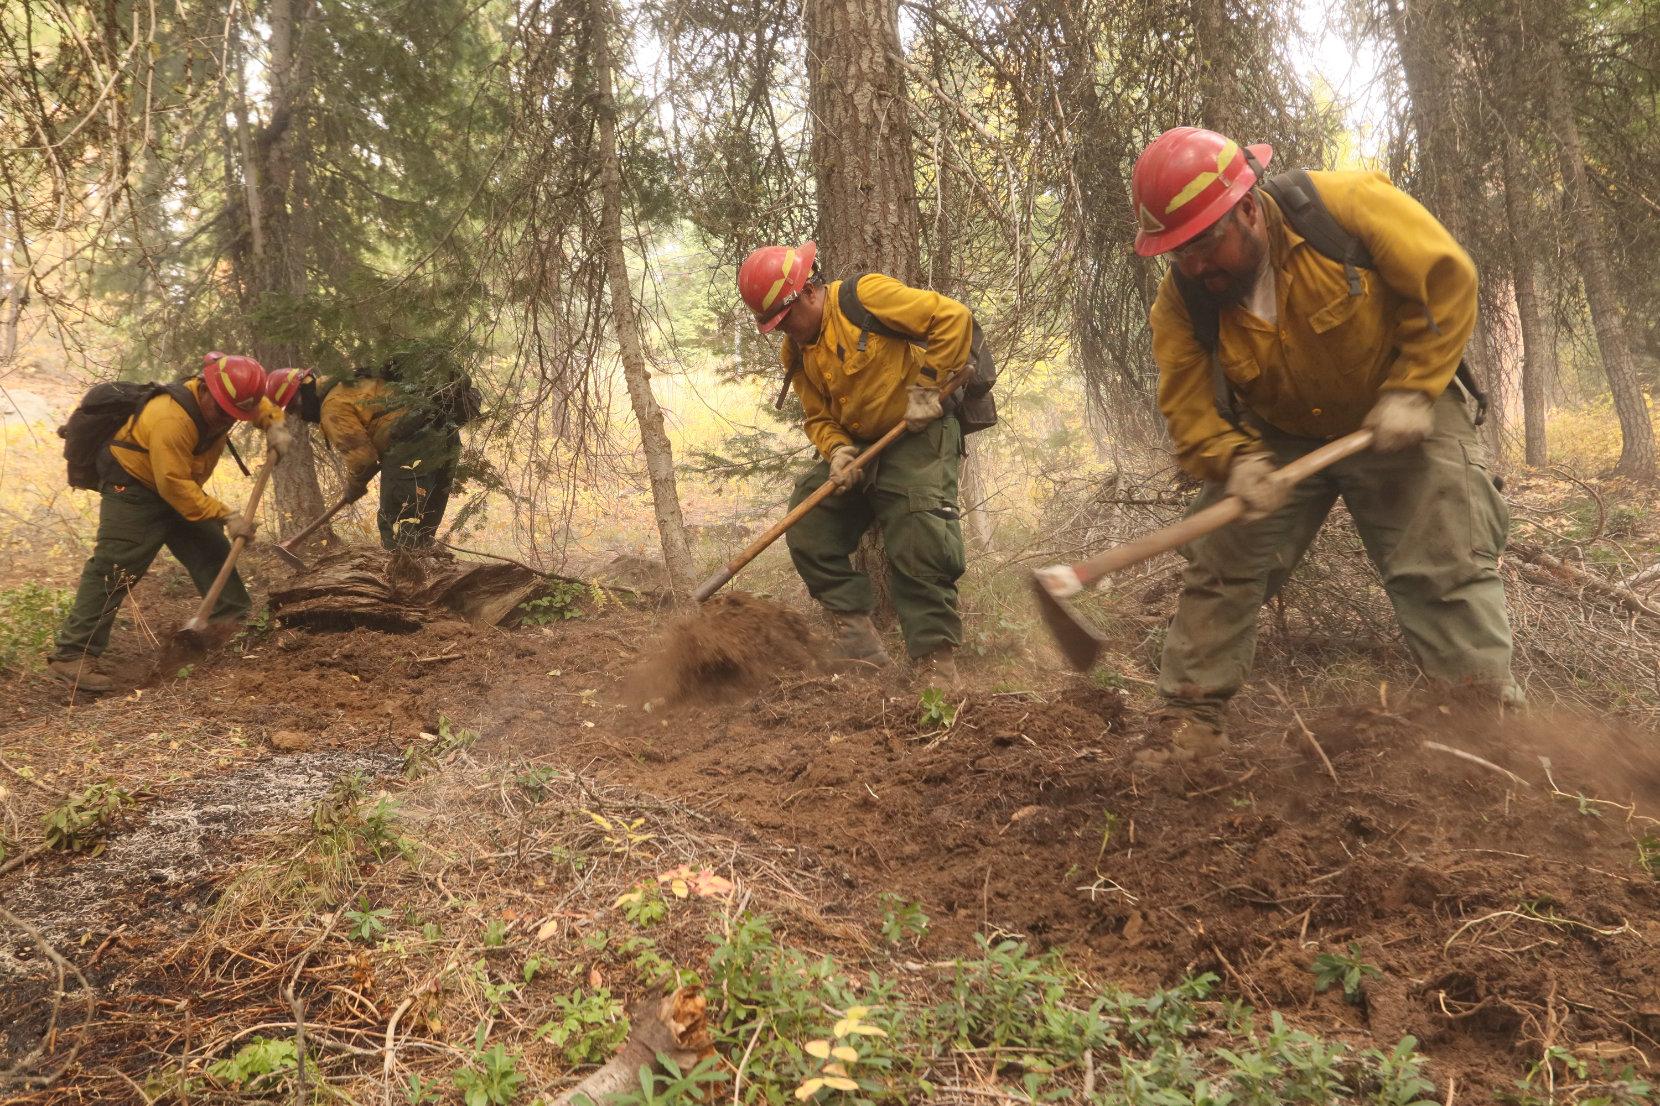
column 734, row 642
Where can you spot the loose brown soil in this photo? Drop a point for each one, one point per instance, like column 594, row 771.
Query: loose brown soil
column 1503, row 916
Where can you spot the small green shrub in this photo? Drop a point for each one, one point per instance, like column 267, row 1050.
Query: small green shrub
column 82, row 823
column 29, row 615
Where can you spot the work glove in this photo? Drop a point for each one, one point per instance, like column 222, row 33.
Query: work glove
column 279, row 440
column 1399, row 420
column 922, row 406
column 355, row 490
column 842, row 473
column 1060, row 581
column 240, row 526
column 1254, row 478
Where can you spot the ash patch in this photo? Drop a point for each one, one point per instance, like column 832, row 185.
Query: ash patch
column 156, row 874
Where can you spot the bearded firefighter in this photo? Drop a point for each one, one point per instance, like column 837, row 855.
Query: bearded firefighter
column 855, row 385
column 1267, row 348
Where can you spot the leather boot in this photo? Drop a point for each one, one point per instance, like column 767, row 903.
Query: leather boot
column 939, row 669
column 857, row 639
column 81, row 674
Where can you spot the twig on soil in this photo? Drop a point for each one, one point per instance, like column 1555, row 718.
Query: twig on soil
column 16, row 1074
column 1308, row 734
column 1436, row 746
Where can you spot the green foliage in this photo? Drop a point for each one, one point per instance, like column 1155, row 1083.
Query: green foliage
column 1345, row 968
column 492, row 1079
column 1010, row 998
column 645, row 905
column 366, row 924
column 936, row 711
column 344, row 821
column 586, row 1027
column 29, row 614
column 495, row 933
column 82, row 823
column 260, row 1066
column 560, row 600
column 1648, row 854
column 901, row 920
column 534, row 781
column 673, row 1087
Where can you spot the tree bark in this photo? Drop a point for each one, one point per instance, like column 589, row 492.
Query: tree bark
column 1637, row 459
column 868, row 216
column 654, row 440
column 1538, row 353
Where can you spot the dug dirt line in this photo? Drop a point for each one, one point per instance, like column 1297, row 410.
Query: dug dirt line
column 1501, row 918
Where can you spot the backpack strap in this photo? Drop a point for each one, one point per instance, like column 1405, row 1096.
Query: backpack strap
column 205, row 438
column 1307, row 213
column 1206, row 320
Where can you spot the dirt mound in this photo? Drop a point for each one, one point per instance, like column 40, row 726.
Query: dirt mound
column 734, row 642
column 1501, row 917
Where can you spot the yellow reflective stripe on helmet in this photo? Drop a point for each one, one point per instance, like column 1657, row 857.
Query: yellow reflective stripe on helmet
column 225, row 382
column 778, row 285
column 1224, row 158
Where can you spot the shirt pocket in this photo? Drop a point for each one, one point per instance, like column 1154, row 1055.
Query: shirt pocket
column 1241, row 369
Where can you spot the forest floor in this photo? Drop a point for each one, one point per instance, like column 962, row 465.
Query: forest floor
column 435, row 866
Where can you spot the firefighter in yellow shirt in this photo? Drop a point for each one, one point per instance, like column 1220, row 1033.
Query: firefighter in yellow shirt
column 152, row 473
column 854, row 386
column 1308, row 347
column 378, row 425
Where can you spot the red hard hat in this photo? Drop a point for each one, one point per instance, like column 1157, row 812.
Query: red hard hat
column 282, row 386
column 236, row 382
column 1184, row 181
column 771, row 277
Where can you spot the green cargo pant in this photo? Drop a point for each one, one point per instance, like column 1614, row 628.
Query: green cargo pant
column 1432, row 523
column 133, row 524
column 415, row 480
column 914, row 499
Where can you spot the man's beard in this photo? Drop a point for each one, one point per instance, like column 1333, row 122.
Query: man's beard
column 1234, row 294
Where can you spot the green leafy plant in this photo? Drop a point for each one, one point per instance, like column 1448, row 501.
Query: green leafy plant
column 586, row 1027
column 1347, row 969
column 259, row 1066
column 559, row 601
column 534, row 781
column 936, row 711
column 495, row 933
column 901, row 920
column 672, row 1086
column 29, row 614
column 492, row 1079
column 1648, row 854
column 645, row 905
column 83, row 822
column 420, row 1092
column 366, row 924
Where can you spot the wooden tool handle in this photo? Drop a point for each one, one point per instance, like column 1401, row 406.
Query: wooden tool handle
column 1217, row 515
column 755, row 548
column 208, row 600
column 314, row 525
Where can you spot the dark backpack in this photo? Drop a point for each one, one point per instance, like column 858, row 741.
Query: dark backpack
column 973, row 403
column 91, row 428
column 1299, row 201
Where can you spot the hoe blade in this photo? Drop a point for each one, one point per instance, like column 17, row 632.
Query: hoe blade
column 1077, row 640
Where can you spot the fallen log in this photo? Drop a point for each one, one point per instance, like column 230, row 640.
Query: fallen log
column 673, row 1026
column 1554, row 572
column 401, row 592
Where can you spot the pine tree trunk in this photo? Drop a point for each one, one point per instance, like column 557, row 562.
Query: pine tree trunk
column 868, row 217
column 276, row 176
column 1538, row 353
column 1637, row 459
column 654, row 440
column 861, row 147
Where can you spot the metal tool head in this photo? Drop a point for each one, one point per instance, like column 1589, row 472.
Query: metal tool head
column 1077, row 640
column 290, row 559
